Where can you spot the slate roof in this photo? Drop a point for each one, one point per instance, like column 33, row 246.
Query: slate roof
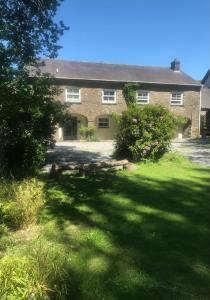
column 205, row 98
column 115, row 72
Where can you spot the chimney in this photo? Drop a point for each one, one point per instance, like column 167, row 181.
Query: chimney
column 175, row 65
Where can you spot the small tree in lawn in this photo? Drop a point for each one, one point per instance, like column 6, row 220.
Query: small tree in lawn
column 28, row 113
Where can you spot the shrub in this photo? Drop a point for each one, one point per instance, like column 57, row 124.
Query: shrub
column 89, row 133
column 20, row 202
column 181, row 123
column 144, row 132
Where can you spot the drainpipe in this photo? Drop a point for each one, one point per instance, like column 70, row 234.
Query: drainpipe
column 199, row 120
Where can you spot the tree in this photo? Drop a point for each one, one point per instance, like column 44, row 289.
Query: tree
column 28, row 112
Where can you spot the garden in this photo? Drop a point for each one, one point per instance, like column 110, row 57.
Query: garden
column 130, row 235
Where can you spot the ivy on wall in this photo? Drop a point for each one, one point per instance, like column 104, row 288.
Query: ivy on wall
column 129, row 92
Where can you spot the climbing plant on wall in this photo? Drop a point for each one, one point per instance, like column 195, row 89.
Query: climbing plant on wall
column 129, row 92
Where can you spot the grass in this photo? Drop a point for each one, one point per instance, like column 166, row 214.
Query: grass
column 138, row 235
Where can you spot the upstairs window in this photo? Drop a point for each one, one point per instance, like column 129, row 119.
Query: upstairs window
column 103, row 123
column 73, row 95
column 176, row 98
column 109, row 96
column 142, row 97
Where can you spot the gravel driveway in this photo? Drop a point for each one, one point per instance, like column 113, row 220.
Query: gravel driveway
column 197, row 150
column 80, row 152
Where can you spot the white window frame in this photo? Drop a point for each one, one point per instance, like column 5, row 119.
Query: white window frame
column 142, row 101
column 108, row 101
column 72, row 100
column 176, row 101
column 103, row 118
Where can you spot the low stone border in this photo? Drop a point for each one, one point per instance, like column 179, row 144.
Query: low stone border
column 93, row 167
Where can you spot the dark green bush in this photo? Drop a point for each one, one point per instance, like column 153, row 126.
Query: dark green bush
column 28, row 120
column 144, row 132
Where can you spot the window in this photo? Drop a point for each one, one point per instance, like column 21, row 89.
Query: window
column 73, row 94
column 142, row 97
column 109, row 96
column 176, row 98
column 103, row 123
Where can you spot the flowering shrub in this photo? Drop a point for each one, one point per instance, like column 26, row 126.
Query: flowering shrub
column 144, row 132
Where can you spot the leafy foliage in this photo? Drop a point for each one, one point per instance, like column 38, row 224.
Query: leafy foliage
column 28, row 113
column 28, row 31
column 28, row 119
column 129, row 92
column 89, row 133
column 144, row 132
column 182, row 122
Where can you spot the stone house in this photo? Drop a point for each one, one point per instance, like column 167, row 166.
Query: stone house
column 94, row 91
column 205, row 105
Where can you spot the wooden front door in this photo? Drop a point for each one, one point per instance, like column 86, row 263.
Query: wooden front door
column 70, row 129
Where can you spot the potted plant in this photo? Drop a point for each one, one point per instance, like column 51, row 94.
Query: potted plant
column 181, row 122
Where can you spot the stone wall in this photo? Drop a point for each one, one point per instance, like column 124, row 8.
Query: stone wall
column 91, row 105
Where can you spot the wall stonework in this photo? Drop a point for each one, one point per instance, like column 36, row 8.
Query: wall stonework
column 190, row 107
column 91, row 105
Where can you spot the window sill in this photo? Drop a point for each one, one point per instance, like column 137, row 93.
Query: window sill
column 71, row 102
column 104, row 103
column 177, row 105
column 143, row 103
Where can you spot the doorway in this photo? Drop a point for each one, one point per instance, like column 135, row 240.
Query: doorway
column 70, row 129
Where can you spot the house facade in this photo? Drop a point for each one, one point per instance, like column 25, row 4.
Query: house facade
column 205, row 105
column 93, row 93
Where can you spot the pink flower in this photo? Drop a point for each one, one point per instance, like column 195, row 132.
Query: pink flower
column 144, row 152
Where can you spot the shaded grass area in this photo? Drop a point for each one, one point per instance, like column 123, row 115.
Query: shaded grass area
column 140, row 235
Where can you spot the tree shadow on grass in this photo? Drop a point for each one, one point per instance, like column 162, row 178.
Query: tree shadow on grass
column 137, row 238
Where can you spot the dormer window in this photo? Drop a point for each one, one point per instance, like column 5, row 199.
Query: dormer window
column 72, row 95
column 109, row 96
column 142, row 97
column 176, row 98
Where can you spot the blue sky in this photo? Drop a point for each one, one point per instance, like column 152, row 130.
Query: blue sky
column 143, row 32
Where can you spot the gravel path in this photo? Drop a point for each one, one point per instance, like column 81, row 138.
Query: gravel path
column 197, row 150
column 80, row 152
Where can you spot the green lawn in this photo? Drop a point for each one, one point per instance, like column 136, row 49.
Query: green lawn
column 139, row 235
